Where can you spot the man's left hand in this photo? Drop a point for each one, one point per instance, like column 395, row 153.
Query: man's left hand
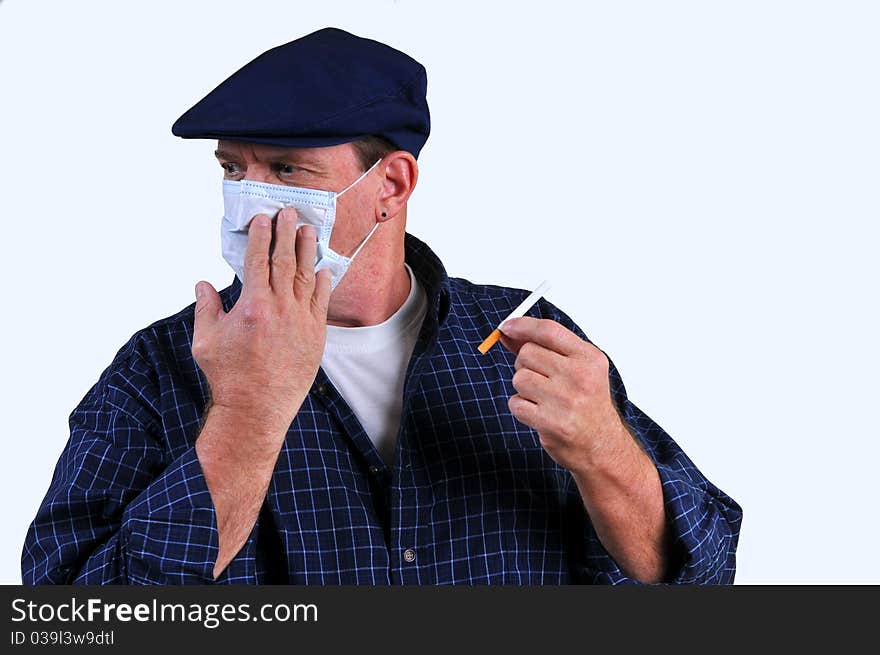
column 563, row 394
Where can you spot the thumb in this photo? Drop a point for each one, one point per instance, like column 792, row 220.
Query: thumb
column 208, row 304
column 321, row 295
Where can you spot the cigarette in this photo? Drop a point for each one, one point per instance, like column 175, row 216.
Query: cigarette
column 524, row 306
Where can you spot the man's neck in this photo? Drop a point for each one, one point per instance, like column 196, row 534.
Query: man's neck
column 372, row 302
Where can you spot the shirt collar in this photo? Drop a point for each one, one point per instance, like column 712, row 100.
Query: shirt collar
column 426, row 266
column 431, row 273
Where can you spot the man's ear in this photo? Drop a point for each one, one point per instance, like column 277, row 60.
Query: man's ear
column 401, row 174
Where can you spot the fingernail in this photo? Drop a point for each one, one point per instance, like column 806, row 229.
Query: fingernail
column 506, row 324
column 262, row 220
column 308, row 231
column 200, row 290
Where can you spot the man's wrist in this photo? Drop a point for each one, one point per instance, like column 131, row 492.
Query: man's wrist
column 616, row 465
column 256, row 414
column 239, row 433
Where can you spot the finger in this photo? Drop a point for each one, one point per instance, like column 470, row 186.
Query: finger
column 544, row 332
column 256, row 256
column 321, row 296
column 538, row 358
column 531, row 385
column 306, row 247
column 523, row 410
column 207, row 311
column 513, row 345
column 283, row 260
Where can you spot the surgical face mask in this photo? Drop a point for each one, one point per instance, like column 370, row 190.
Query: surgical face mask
column 244, row 199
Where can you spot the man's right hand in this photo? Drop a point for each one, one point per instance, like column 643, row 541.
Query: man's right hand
column 260, row 359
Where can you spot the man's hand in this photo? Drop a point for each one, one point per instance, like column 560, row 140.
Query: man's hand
column 262, row 356
column 563, row 393
column 260, row 360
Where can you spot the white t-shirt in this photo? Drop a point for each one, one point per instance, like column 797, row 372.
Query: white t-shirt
column 367, row 365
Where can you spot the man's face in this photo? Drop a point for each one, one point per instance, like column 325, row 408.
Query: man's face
column 330, row 168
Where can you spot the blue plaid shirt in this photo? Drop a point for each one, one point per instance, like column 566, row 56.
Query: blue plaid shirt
column 472, row 498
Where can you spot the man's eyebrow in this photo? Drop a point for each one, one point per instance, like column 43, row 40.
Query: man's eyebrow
column 279, row 155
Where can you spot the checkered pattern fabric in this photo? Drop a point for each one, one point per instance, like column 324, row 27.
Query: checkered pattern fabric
column 472, row 498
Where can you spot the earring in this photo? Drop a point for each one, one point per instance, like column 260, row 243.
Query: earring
column 384, row 215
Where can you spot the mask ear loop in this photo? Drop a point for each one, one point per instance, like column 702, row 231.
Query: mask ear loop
column 366, row 238
column 363, row 175
column 364, row 242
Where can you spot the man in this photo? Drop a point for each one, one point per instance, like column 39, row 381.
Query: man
column 327, row 417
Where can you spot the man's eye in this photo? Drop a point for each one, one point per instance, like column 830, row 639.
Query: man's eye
column 230, row 168
column 284, row 169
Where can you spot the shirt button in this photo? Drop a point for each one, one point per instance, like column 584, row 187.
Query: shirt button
column 409, row 555
column 374, row 470
column 321, row 388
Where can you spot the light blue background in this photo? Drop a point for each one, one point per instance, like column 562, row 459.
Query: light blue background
column 698, row 180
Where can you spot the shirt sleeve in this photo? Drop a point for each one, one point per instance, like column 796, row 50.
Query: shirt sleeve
column 121, row 508
column 704, row 521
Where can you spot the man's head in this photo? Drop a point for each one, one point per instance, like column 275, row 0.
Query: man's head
column 316, row 113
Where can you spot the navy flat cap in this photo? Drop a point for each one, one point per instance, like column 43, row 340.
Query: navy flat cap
column 326, row 88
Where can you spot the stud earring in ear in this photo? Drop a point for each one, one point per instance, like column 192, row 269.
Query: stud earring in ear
column 384, row 215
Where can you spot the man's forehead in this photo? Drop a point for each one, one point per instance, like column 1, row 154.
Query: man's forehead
column 261, row 151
